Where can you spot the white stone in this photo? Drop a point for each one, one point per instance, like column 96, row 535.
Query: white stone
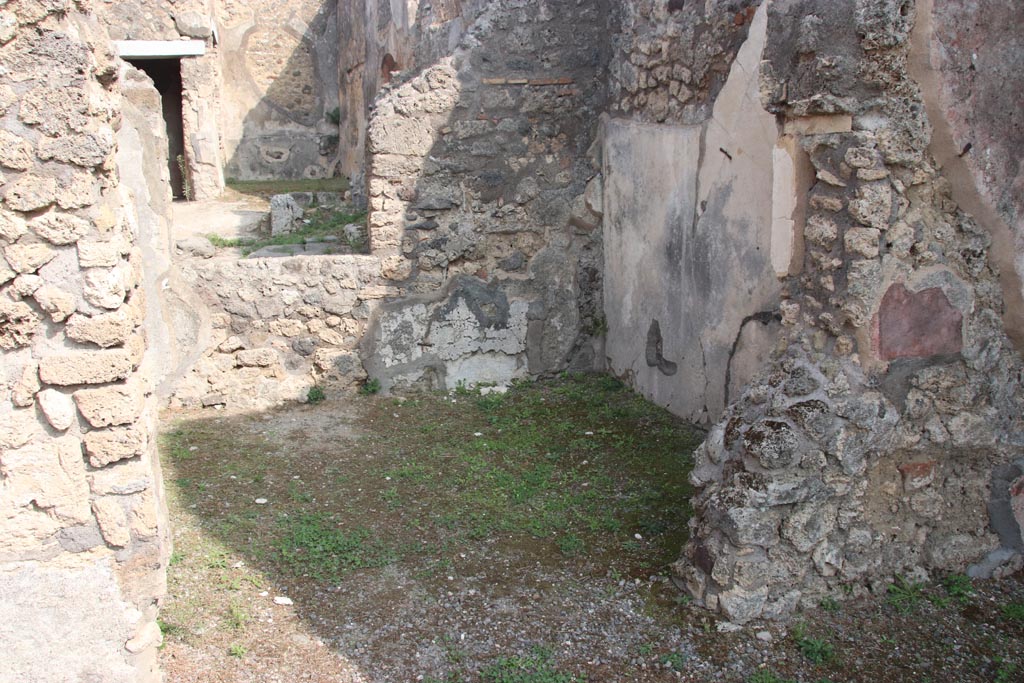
column 57, row 408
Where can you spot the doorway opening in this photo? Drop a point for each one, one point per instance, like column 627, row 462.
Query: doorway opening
column 166, row 75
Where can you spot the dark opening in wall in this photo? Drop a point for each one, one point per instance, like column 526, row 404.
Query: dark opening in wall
column 388, row 66
column 166, row 75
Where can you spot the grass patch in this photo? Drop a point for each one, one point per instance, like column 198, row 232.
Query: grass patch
column 313, row 545
column 1014, row 611
column 535, row 667
column 767, row 676
column 268, row 188
column 323, row 223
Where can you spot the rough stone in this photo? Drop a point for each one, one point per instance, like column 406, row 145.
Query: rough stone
column 113, row 523
column 86, row 367
column 59, row 228
column 111, row 445
column 28, row 258
column 58, row 408
column 103, row 330
column 113, row 405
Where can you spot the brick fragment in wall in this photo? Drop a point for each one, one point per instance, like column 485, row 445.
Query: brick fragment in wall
column 917, row 324
column 59, row 228
column 111, row 445
column 28, row 258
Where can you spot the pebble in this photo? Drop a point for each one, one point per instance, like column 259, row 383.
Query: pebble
column 764, row 636
column 260, row 501
column 281, row 600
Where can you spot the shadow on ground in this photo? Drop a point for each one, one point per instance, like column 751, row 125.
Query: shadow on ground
column 444, row 536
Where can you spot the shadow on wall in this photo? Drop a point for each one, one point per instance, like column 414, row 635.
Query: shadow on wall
column 477, row 172
column 280, row 65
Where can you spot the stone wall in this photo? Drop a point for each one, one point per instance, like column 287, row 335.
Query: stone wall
column 478, row 168
column 885, row 435
column 279, row 63
column 279, row 326
column 84, row 537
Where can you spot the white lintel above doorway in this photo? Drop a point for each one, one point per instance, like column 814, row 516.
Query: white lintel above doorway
column 159, row 49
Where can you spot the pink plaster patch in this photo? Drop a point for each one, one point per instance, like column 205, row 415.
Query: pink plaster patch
column 917, row 475
column 1017, row 503
column 917, row 324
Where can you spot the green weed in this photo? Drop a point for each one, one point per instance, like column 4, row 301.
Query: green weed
column 1013, row 611
column 905, row 595
column 370, row 387
column 533, row 668
column 315, row 394
column 816, row 650
column 236, row 650
column 674, row 661
column 313, row 545
column 767, row 676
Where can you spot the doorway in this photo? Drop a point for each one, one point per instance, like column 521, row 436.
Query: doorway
column 166, row 75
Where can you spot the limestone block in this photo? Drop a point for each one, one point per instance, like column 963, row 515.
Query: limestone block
column 59, row 228
column 8, row 27
column 80, row 190
column 1017, row 503
column 18, row 324
column 55, row 301
column 104, row 330
column 112, row 520
column 862, row 241
column 86, row 367
column 6, row 274
column 104, row 287
column 57, row 408
column 256, row 358
column 24, row 391
column 193, row 24
column 285, row 214
column 100, row 254
column 740, row 606
column 15, row 152
column 28, row 258
column 31, row 192
column 119, row 404
column 111, row 445
column 122, row 478
column 809, row 525
column 50, row 476
column 751, row 526
column 142, row 516
column 87, row 149
column 12, row 226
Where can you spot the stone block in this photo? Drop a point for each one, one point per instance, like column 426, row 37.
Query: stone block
column 111, row 445
column 86, row 367
column 104, row 330
column 122, row 478
column 50, row 476
column 30, row 192
column 256, row 358
column 59, row 228
column 119, row 404
column 112, row 520
column 100, row 254
column 58, row 408
column 104, row 287
column 18, row 324
column 55, row 301
column 28, row 258
column 24, row 391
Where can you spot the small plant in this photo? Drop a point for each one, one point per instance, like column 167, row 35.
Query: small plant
column 816, row 650
column 315, row 394
column 905, row 595
column 767, row 676
column 237, row 617
column 186, row 178
column 674, row 661
column 236, row 650
column 1013, row 611
column 570, row 545
column 959, row 587
column 645, row 650
column 370, row 386
column 334, row 115
column 533, row 668
column 829, row 604
column 1007, row 671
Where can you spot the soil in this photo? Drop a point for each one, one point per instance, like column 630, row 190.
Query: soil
column 517, row 538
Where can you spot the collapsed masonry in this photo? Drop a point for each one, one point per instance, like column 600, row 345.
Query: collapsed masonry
column 798, row 222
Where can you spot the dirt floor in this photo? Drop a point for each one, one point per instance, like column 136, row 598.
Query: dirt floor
column 500, row 538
